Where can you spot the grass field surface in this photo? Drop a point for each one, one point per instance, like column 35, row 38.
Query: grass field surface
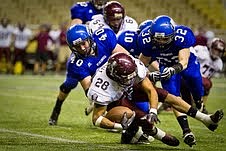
column 26, row 103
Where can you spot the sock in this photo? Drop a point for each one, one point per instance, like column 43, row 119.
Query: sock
column 58, row 104
column 202, row 117
column 160, row 134
column 183, row 121
column 137, row 136
column 192, row 112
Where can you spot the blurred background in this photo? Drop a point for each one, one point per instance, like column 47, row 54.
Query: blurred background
column 207, row 17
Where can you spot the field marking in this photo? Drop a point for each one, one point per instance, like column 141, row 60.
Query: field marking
column 55, row 138
column 40, row 136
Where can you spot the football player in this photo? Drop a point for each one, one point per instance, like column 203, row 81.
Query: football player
column 6, row 31
column 22, row 35
column 82, row 12
column 89, row 51
column 124, row 80
column 210, row 63
column 128, row 40
column 169, row 48
column 113, row 82
column 113, row 17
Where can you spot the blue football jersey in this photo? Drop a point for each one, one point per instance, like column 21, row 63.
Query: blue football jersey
column 80, row 68
column 184, row 38
column 128, row 40
column 84, row 11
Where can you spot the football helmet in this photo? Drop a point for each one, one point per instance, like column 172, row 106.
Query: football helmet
column 80, row 40
column 217, row 48
column 114, row 14
column 162, row 32
column 99, row 4
column 122, row 69
column 144, row 24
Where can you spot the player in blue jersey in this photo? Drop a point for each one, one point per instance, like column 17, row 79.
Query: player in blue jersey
column 169, row 46
column 89, row 53
column 140, row 98
column 82, row 12
column 127, row 39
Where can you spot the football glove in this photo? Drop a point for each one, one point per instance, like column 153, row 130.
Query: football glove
column 126, row 122
column 151, row 117
column 154, row 76
column 167, row 73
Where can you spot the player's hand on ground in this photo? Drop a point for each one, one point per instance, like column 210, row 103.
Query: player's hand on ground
column 152, row 118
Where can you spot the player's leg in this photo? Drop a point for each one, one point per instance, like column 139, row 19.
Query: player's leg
column 8, row 59
column 211, row 120
column 193, row 80
column 207, row 84
column 173, row 87
column 133, row 133
column 65, row 89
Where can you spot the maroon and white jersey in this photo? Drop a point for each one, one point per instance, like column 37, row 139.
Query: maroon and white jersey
column 208, row 66
column 6, row 36
column 104, row 90
column 22, row 37
column 99, row 22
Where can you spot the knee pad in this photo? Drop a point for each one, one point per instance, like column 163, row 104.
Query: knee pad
column 65, row 89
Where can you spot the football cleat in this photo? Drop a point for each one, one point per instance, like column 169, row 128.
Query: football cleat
column 54, row 116
column 189, row 139
column 170, row 140
column 215, row 118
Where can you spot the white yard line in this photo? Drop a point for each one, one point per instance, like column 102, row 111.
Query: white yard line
column 40, row 136
column 3, row 130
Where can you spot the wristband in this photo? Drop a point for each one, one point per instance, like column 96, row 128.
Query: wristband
column 178, row 67
column 98, row 121
column 153, row 110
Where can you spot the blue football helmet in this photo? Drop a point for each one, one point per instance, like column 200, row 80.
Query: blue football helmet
column 162, row 32
column 80, row 40
column 144, row 24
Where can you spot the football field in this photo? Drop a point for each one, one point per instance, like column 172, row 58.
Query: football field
column 26, row 103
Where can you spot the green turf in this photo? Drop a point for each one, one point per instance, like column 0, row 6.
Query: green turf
column 27, row 101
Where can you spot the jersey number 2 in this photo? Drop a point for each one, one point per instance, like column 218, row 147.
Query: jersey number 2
column 102, row 84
